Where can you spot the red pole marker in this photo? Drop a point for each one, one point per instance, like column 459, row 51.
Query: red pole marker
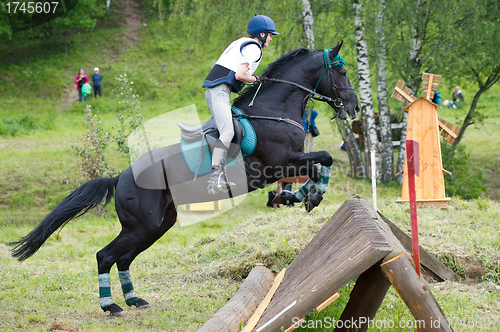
column 413, row 165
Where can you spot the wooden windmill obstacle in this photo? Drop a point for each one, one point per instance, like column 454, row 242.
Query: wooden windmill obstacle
column 356, row 241
column 423, row 127
column 430, row 86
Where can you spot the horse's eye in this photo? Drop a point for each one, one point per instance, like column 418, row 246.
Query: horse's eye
column 342, row 73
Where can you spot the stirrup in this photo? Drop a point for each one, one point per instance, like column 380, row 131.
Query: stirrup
column 224, row 185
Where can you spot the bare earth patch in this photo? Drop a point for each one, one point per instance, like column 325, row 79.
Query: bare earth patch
column 58, row 326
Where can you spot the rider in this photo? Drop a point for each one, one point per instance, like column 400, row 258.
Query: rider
column 230, row 73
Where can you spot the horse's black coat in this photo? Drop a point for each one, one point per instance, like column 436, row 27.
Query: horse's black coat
column 146, row 214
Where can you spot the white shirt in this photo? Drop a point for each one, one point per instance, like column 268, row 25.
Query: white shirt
column 232, row 58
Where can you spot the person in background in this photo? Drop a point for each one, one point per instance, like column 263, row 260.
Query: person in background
column 96, row 82
column 80, row 79
column 308, row 120
column 437, row 98
column 457, row 97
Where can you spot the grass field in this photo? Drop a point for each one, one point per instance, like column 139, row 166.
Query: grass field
column 192, row 271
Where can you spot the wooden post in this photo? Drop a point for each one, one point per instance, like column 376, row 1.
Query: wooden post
column 365, row 299
column 416, row 294
column 374, row 178
column 243, row 303
column 413, row 169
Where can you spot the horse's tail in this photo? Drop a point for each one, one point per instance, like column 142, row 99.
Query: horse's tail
column 84, row 198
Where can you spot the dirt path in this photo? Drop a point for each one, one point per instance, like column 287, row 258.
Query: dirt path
column 132, row 12
column 133, row 20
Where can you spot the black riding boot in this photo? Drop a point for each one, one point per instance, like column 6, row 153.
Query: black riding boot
column 218, row 181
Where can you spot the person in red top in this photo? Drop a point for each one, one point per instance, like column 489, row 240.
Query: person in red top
column 80, row 79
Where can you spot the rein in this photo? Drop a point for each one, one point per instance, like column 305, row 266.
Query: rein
column 286, row 120
column 313, row 94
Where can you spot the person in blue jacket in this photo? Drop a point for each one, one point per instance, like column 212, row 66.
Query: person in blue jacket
column 233, row 69
column 311, row 116
column 97, row 82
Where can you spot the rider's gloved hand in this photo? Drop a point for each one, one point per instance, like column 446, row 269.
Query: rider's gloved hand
column 260, row 79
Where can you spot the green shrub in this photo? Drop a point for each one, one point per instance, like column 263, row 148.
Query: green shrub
column 22, row 125
column 464, row 182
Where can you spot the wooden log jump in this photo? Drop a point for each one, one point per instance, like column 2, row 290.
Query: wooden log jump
column 356, row 241
column 239, row 309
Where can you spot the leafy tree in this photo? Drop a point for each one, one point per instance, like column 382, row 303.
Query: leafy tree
column 473, row 53
column 5, row 30
column 464, row 182
column 82, row 17
column 420, row 30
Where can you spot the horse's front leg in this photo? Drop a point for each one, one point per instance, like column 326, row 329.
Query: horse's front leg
column 311, row 193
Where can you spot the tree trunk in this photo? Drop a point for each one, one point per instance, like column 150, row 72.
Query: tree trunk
column 413, row 83
column 365, row 92
column 384, row 116
column 469, row 118
column 66, row 44
column 492, row 79
column 352, row 148
column 307, row 24
column 108, row 4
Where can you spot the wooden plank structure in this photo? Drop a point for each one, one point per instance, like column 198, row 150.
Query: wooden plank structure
column 243, row 303
column 449, row 130
column 423, row 126
column 215, row 206
column 354, row 242
column 403, row 94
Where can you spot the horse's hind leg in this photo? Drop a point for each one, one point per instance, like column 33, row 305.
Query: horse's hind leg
column 141, row 215
column 123, row 264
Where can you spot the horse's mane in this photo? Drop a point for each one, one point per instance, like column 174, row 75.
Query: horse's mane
column 274, row 66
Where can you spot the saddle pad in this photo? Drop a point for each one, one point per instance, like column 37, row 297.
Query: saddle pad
column 192, row 152
column 250, row 139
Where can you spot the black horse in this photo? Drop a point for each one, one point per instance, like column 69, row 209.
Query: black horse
column 146, row 214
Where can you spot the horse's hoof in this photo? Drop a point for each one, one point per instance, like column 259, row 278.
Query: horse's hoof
column 114, row 310
column 285, row 197
column 141, row 304
column 312, row 200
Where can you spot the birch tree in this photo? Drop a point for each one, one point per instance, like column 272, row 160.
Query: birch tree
column 384, row 117
column 352, row 148
column 365, row 92
column 307, row 24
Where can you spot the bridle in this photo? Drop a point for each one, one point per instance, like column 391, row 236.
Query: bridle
column 313, row 94
column 336, row 61
column 338, row 104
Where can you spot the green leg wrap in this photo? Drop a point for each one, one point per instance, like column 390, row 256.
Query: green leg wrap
column 324, row 178
column 105, row 290
column 304, row 190
column 127, row 288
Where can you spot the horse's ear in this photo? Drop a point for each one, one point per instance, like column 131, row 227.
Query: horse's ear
column 335, row 50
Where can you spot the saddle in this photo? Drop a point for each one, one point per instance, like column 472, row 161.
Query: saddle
column 197, row 143
column 209, row 132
